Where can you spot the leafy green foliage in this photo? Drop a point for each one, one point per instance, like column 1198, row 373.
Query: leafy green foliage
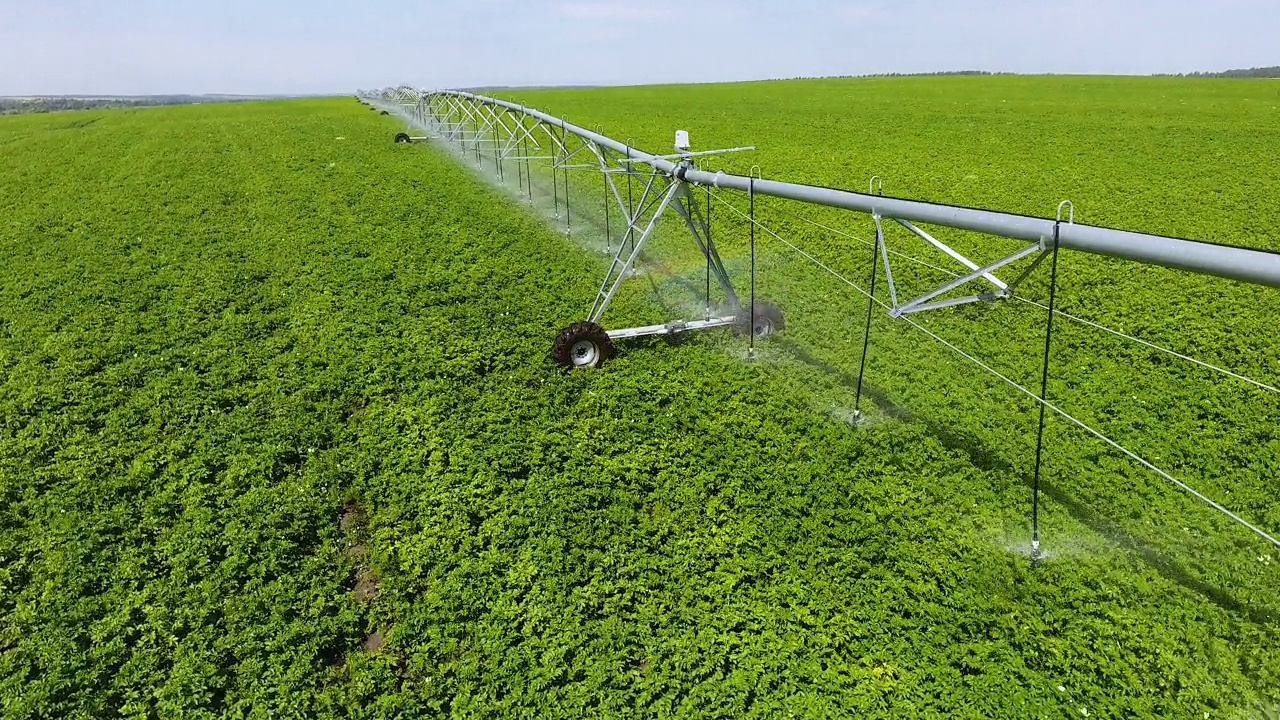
column 222, row 328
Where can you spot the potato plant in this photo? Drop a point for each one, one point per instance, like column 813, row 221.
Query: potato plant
column 279, row 438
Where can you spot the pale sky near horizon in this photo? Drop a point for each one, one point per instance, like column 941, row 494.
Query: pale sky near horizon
column 290, row 46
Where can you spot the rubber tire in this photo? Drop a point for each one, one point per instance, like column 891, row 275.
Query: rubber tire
column 562, row 350
column 402, row 137
column 768, row 317
column 384, row 112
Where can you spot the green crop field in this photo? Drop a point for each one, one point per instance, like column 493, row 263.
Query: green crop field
column 279, row 438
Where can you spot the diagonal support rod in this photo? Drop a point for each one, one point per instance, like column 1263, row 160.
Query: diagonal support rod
column 918, row 303
column 686, row 205
column 949, row 251
column 604, row 297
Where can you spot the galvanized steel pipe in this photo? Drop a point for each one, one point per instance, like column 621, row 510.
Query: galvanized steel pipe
column 1250, row 265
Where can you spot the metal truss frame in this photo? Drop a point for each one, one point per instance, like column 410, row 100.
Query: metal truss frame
column 503, row 131
column 502, row 134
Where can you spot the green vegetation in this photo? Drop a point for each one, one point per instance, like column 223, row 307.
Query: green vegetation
column 1021, row 144
column 278, row 436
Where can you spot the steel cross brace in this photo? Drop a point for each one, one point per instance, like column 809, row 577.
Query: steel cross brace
column 487, row 123
column 517, row 136
column 687, row 206
column 676, row 195
column 922, row 302
column 619, row 268
column 500, row 149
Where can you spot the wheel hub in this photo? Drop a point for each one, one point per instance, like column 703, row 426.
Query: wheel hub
column 585, row 353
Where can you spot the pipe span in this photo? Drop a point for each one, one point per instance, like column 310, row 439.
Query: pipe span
column 1250, row 265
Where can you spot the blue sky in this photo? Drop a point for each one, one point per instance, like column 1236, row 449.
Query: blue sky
column 321, row 46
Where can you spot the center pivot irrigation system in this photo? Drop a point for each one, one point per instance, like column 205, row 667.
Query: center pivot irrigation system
column 505, row 132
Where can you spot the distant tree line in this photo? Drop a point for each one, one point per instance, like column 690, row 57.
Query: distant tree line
column 940, row 72
column 16, row 105
column 903, row 74
column 1258, row 72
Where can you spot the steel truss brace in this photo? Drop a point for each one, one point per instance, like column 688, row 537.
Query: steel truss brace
column 520, row 135
column 471, row 125
column 1251, row 265
column 923, row 302
column 619, row 268
column 493, row 129
column 676, row 195
column 695, row 221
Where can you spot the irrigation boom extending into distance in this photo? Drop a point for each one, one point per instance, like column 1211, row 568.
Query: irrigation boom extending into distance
column 1245, row 264
column 473, row 123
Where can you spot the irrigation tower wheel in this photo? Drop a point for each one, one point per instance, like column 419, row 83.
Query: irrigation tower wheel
column 384, row 112
column 402, row 137
column 768, row 319
column 582, row 345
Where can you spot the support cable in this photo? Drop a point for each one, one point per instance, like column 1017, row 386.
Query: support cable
column 1012, row 383
column 1174, row 353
